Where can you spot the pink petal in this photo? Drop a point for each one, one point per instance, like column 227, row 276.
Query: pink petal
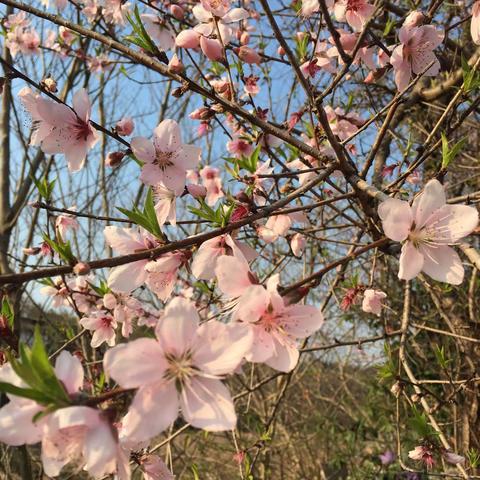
column 167, row 136
column 69, row 370
column 188, row 157
column 100, row 450
column 263, row 345
column 128, row 277
column 285, row 357
column 75, row 156
column 177, row 327
column 432, row 198
column 143, row 149
column 442, row 263
column 188, row 39
column 123, row 240
column 81, row 104
column 220, row 348
column 252, row 304
column 453, row 222
column 300, row 321
column 397, row 218
column 136, row 363
column 205, row 260
column 411, row 262
column 232, row 285
column 153, row 410
column 16, row 426
column 235, row 15
column 207, row 404
column 475, row 24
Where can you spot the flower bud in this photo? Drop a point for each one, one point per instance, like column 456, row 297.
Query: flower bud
column 396, row 389
column 81, row 268
column 125, row 126
column 177, row 11
column 212, row 49
column 244, row 38
column 281, row 51
column 49, row 84
column 31, row 250
column 239, row 212
column 197, row 191
column 175, row 65
column 114, row 159
column 248, row 55
column 188, row 39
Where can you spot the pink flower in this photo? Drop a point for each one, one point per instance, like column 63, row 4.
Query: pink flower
column 175, row 65
column 423, row 454
column 278, row 226
column 251, row 85
column 429, row 226
column 60, row 129
column 114, row 11
column 205, row 260
column 64, row 223
column 125, row 126
column 309, row 7
column 165, row 205
column 415, row 53
column 261, row 184
column 354, row 12
column 166, row 158
column 239, row 147
column 154, row 468
column 130, row 276
column 275, row 326
column 67, row 434
column 213, row 183
column 348, row 42
column 248, row 55
column 103, row 325
column 159, row 30
column 180, row 370
column 212, row 49
column 297, row 244
column 475, row 23
column 204, row 13
column 372, row 301
column 162, row 273
column 188, row 39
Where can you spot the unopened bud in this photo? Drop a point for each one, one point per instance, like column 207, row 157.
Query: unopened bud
column 49, row 84
column 396, row 389
column 114, row 159
column 197, row 191
column 244, row 38
column 81, row 268
column 177, row 11
column 415, row 398
column 31, row 251
column 281, row 51
column 175, row 65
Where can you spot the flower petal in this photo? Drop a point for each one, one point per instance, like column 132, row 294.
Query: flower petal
column 207, row 404
column 442, row 263
column 432, row 198
column 137, row 363
column 397, row 217
column 411, row 262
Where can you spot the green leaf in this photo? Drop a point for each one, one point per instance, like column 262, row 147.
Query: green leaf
column 23, row 392
column 419, row 424
column 449, row 154
column 7, row 312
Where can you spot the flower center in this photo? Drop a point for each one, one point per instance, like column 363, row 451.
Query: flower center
column 180, row 368
column 163, row 159
column 82, row 130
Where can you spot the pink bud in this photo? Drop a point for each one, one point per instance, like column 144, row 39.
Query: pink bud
column 414, row 19
column 281, row 51
column 244, row 38
column 31, row 250
column 248, row 55
column 240, row 211
column 113, row 159
column 109, row 301
column 187, row 39
column 175, row 65
column 197, row 191
column 212, row 49
column 125, row 126
column 81, row 268
column 177, row 12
